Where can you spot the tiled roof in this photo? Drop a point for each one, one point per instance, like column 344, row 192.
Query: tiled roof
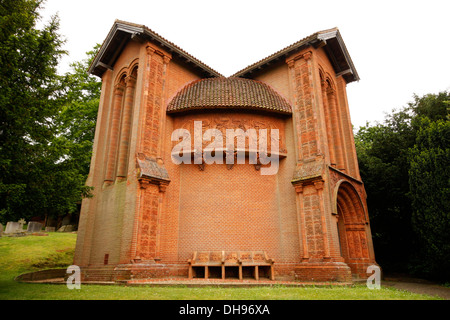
column 122, row 32
column 333, row 44
column 279, row 53
column 229, row 93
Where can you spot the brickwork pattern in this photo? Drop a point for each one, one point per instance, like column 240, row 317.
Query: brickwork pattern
column 139, row 228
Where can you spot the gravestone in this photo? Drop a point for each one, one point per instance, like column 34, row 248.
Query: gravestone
column 21, row 222
column 50, row 229
column 34, row 226
column 13, row 227
column 66, row 228
column 1, row 230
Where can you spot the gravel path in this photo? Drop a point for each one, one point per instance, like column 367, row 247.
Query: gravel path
column 416, row 286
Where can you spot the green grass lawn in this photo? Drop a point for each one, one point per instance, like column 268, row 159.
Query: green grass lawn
column 32, row 253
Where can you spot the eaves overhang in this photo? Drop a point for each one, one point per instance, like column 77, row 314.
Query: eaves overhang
column 331, row 41
column 122, row 32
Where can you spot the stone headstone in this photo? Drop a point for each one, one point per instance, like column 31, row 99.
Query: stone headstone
column 50, row 229
column 66, row 228
column 34, row 226
column 22, row 222
column 13, row 227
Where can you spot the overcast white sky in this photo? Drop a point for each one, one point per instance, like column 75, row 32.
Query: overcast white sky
column 398, row 47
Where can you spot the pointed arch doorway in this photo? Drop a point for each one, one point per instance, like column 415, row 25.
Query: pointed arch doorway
column 353, row 229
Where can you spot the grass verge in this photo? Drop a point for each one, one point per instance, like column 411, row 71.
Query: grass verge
column 33, row 253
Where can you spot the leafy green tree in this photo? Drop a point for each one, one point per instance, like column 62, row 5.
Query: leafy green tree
column 433, row 106
column 429, row 179
column 383, row 160
column 395, row 165
column 31, row 92
column 64, row 169
column 47, row 121
column 73, row 143
column 77, row 119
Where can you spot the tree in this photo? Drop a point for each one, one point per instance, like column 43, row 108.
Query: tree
column 77, row 119
column 47, row 121
column 429, row 180
column 383, row 160
column 397, row 168
column 432, row 106
column 31, row 92
column 63, row 171
column 72, row 145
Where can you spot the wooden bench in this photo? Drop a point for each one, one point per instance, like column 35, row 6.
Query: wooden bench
column 221, row 260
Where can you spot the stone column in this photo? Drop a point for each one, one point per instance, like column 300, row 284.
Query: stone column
column 114, row 131
column 336, row 129
column 328, row 124
column 301, row 223
column 347, row 130
column 154, row 93
column 319, row 185
column 305, row 121
column 166, row 61
column 126, row 126
column 147, row 246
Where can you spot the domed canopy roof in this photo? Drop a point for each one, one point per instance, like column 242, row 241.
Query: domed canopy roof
column 228, row 93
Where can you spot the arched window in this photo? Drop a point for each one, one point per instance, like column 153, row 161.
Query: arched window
column 332, row 122
column 120, row 125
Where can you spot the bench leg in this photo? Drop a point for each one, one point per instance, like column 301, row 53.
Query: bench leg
column 223, row 272
column 240, row 272
column 272, row 275
column 256, row 273
column 190, row 274
column 206, row 272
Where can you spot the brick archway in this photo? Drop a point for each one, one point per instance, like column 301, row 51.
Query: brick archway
column 352, row 229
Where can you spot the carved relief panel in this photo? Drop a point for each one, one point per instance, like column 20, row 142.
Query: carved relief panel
column 255, row 131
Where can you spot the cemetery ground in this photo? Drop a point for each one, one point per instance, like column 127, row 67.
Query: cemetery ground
column 20, row 255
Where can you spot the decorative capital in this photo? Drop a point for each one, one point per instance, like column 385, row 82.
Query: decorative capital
column 291, row 60
column 130, row 81
column 150, row 50
column 299, row 188
column 144, row 183
column 331, row 91
column 166, row 59
column 319, row 185
column 291, row 63
column 162, row 185
column 119, row 88
column 307, row 55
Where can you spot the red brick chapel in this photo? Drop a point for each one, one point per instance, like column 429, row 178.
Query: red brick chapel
column 153, row 218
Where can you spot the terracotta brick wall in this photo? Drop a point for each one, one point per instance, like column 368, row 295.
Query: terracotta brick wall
column 277, row 77
column 102, row 217
column 221, row 208
column 232, row 209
